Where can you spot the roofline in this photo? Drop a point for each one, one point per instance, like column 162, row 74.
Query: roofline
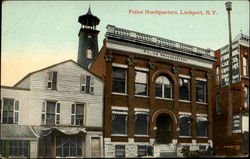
column 70, row 60
column 15, row 88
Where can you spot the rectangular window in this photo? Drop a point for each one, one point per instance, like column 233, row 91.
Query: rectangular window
column 202, row 126
column 185, row 124
column 119, row 151
column 87, row 84
column 50, row 113
column 142, row 150
column 77, row 113
column 141, row 79
column 119, row 122
column 119, row 80
column 10, row 110
column 201, row 91
column 141, row 123
column 184, row 88
column 246, row 96
column 245, row 66
column 218, row 103
column 52, row 80
column 68, row 146
column 89, row 54
column 18, row 148
column 217, row 76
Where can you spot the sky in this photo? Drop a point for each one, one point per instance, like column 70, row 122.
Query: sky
column 37, row 34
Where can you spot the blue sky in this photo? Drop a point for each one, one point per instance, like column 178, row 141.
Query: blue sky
column 38, row 34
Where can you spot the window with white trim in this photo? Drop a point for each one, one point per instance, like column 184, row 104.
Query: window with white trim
column 10, row 111
column 141, row 83
column 217, row 75
column 184, row 88
column 87, row 84
column 119, row 122
column 119, row 82
column 50, row 113
column 246, row 97
column 52, row 80
column 218, row 103
column 89, row 54
column 77, row 114
column 245, row 66
column 185, row 124
column 163, row 87
column 202, row 126
column 201, row 91
column 141, row 122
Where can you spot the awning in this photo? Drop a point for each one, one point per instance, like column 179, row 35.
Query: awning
column 43, row 131
column 20, row 132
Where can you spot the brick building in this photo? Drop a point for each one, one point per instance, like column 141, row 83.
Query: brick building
column 157, row 92
column 237, row 142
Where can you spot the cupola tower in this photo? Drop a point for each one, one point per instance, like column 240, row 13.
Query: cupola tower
column 88, row 39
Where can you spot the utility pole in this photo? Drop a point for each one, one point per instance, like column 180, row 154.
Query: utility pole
column 230, row 95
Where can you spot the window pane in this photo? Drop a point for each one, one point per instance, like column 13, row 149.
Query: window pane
column 68, row 146
column 167, row 91
column 200, row 91
column 50, row 113
column 141, row 124
column 119, row 75
column 140, row 89
column 119, row 124
column 87, row 84
column 141, row 77
column 184, row 89
column 158, row 90
column 185, row 124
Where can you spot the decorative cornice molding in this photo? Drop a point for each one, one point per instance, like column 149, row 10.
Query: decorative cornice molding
column 131, row 61
column 176, row 69
column 109, row 58
column 151, row 65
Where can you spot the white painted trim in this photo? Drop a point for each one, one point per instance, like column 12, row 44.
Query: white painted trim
column 185, row 101
column 121, row 94
column 119, row 108
column 185, row 136
column 199, row 114
column 201, row 103
column 141, row 109
column 188, row 113
column 119, row 65
column 184, row 76
column 119, row 135
column 142, row 96
column 141, row 69
column 201, row 79
column 164, row 98
column 141, row 135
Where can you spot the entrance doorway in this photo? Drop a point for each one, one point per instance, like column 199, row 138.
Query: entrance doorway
column 164, row 132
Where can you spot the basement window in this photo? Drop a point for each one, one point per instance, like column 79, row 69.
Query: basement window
column 119, row 151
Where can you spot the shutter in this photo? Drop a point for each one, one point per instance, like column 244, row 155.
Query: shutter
column 73, row 109
column 43, row 117
column 54, row 81
column 57, row 113
column 88, row 84
column 83, row 83
column 16, row 111
column 92, row 84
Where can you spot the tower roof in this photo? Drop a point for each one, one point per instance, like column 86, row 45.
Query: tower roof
column 88, row 19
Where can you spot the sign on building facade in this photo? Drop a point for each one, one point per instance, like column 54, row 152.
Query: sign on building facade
column 237, row 118
column 225, row 64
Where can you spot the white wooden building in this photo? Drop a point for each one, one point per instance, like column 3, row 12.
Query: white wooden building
column 53, row 112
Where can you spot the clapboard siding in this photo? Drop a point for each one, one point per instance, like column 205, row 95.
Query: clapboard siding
column 67, row 93
column 24, row 84
column 23, row 97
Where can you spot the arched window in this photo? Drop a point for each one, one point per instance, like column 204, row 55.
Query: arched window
column 163, row 87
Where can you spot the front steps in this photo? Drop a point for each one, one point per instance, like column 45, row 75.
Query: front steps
column 164, row 150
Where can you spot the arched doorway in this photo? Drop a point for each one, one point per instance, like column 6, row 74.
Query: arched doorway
column 164, row 132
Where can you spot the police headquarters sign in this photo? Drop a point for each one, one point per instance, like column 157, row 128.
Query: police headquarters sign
column 225, row 64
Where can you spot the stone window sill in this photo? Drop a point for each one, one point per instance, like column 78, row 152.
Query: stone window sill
column 122, row 135
column 121, row 94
